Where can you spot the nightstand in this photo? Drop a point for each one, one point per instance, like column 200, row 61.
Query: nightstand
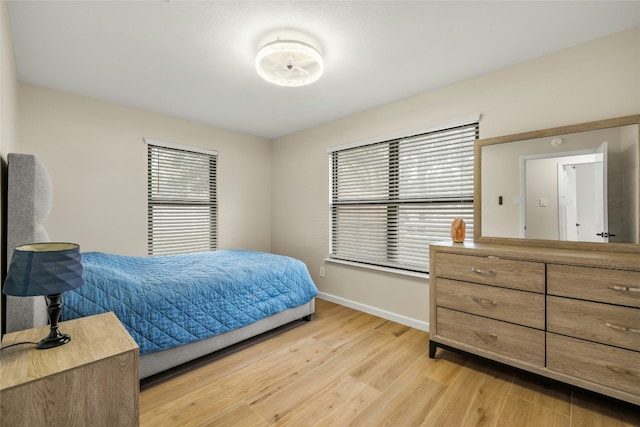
column 92, row 380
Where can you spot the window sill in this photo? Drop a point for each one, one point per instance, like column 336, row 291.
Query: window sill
column 378, row 268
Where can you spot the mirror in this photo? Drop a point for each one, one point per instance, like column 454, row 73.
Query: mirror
column 572, row 186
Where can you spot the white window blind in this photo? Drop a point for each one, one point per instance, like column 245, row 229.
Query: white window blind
column 182, row 200
column 391, row 199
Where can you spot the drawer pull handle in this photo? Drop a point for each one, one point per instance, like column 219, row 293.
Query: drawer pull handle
column 483, row 272
column 624, row 288
column 486, row 337
column 622, row 328
column 618, row 370
column 484, row 301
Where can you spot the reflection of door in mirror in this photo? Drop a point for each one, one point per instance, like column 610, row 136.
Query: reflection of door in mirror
column 566, row 196
column 582, row 187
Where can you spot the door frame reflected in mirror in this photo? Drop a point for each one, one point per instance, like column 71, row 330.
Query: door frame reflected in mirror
column 543, row 207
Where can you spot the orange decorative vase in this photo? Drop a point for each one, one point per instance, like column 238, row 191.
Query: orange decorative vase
column 458, row 230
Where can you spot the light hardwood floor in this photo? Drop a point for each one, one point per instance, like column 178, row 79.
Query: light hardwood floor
column 348, row 368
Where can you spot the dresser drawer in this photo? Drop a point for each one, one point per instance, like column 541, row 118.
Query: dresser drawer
column 598, row 363
column 593, row 321
column 523, row 308
column 518, row 342
column 523, row 275
column 595, row 284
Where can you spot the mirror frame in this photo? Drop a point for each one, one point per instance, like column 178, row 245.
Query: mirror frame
column 545, row 133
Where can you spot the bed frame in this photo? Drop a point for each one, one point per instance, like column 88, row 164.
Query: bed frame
column 29, row 200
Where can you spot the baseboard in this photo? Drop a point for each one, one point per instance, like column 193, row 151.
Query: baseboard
column 404, row 320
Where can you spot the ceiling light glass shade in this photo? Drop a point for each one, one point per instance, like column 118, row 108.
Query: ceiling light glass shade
column 289, row 63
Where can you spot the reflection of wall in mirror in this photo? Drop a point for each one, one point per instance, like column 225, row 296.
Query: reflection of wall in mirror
column 500, row 177
column 541, row 185
column 628, row 182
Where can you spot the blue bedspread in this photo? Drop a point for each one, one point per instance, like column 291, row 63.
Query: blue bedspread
column 166, row 301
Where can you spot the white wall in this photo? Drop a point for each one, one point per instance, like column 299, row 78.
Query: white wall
column 597, row 80
column 97, row 160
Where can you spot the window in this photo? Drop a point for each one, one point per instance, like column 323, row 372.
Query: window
column 391, row 199
column 182, row 200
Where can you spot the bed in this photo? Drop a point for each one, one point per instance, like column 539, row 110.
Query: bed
column 178, row 308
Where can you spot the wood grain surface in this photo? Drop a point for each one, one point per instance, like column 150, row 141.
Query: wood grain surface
column 348, row 368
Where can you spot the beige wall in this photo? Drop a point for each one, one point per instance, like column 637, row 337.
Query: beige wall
column 8, row 85
column 8, row 100
column 8, row 89
column 97, row 160
column 600, row 79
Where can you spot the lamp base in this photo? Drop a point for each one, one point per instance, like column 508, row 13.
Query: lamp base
column 54, row 339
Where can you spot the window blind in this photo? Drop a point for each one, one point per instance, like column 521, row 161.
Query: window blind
column 391, row 199
column 182, row 200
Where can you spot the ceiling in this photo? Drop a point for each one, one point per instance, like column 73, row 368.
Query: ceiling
column 195, row 59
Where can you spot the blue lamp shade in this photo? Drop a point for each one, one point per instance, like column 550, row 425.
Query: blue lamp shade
column 44, row 269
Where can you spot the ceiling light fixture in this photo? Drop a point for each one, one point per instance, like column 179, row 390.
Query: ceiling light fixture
column 289, row 63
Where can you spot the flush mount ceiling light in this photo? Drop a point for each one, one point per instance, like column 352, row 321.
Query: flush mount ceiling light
column 289, row 63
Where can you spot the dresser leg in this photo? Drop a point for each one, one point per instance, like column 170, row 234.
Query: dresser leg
column 432, row 349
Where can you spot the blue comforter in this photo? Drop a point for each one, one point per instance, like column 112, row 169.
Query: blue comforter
column 166, row 301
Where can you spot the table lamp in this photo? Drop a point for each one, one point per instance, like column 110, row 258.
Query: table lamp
column 45, row 269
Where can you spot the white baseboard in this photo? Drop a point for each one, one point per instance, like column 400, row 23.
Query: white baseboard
column 404, row 320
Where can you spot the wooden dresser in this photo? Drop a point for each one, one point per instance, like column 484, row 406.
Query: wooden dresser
column 90, row 381
column 570, row 315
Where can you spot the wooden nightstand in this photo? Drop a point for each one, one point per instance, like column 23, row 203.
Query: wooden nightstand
column 92, row 380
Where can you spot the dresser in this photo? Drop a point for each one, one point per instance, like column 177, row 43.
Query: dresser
column 90, row 381
column 570, row 315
